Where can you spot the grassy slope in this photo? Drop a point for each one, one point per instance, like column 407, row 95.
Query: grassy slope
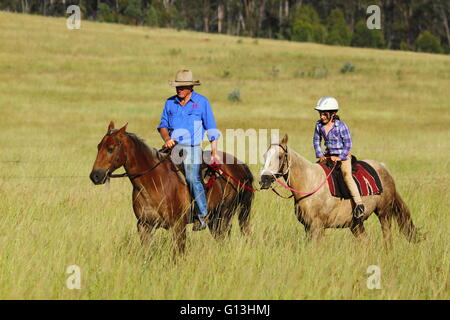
column 59, row 89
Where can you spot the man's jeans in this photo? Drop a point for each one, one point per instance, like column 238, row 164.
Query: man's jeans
column 191, row 164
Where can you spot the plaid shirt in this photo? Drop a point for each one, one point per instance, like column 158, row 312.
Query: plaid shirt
column 337, row 142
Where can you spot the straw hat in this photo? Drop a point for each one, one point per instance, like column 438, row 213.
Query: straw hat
column 184, row 78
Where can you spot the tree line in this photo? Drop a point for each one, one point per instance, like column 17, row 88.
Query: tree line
column 418, row 25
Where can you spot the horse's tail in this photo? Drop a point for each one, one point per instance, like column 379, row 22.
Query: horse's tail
column 400, row 211
column 246, row 199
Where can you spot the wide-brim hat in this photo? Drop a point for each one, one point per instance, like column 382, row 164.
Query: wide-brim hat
column 184, row 78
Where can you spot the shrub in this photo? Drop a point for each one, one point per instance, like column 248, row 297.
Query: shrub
column 426, row 42
column 235, row 96
column 314, row 73
column 364, row 37
column 347, row 67
column 105, row 13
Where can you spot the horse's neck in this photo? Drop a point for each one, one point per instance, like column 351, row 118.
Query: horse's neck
column 301, row 172
column 139, row 157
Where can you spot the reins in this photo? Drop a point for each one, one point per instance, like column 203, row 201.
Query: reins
column 136, row 175
column 287, row 179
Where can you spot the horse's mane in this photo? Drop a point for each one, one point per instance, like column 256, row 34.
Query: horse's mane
column 140, row 142
column 297, row 157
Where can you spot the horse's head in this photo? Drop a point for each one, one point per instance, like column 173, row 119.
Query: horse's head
column 110, row 156
column 275, row 163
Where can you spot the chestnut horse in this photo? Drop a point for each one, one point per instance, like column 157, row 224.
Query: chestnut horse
column 161, row 198
column 320, row 209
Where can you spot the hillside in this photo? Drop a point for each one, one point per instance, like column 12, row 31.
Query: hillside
column 59, row 89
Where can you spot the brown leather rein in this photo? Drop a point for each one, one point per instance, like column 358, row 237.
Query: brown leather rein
column 136, row 175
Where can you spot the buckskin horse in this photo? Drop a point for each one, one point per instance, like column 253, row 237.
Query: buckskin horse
column 319, row 210
column 161, row 198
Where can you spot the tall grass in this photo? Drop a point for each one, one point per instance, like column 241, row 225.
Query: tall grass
column 59, row 89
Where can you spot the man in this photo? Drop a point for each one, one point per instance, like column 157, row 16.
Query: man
column 184, row 120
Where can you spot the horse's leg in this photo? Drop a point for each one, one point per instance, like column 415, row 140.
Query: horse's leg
column 317, row 231
column 145, row 231
column 246, row 199
column 244, row 219
column 179, row 232
column 220, row 224
column 308, row 233
column 358, row 231
column 385, row 222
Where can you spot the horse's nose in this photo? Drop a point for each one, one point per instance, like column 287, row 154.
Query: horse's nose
column 266, row 181
column 97, row 176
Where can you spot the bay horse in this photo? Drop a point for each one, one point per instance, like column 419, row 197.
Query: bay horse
column 161, row 199
column 320, row 209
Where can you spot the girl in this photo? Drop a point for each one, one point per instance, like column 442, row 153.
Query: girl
column 338, row 143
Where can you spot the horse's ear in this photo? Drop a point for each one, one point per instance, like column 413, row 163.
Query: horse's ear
column 123, row 129
column 284, row 141
column 110, row 127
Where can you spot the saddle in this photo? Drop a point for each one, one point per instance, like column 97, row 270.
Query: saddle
column 207, row 174
column 364, row 175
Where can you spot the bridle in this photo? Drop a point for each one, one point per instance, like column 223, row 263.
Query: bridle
column 125, row 174
column 283, row 174
column 286, row 177
column 285, row 162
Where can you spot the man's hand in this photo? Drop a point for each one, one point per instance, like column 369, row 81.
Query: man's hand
column 334, row 158
column 169, row 144
column 323, row 159
column 215, row 158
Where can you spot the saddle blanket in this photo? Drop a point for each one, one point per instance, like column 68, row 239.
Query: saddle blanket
column 365, row 176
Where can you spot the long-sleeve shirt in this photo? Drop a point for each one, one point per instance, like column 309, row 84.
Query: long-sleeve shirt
column 337, row 142
column 187, row 124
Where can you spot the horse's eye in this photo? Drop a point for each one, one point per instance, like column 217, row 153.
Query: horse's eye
column 110, row 150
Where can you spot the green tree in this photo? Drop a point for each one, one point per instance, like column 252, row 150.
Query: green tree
column 338, row 31
column 426, row 42
column 365, row 37
column 105, row 13
column 133, row 11
column 306, row 26
column 152, row 17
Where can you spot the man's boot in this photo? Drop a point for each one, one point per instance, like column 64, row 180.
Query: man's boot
column 200, row 224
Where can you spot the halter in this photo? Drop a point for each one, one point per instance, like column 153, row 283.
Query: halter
column 132, row 176
column 286, row 177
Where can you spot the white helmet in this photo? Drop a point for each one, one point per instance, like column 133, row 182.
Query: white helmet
column 327, row 104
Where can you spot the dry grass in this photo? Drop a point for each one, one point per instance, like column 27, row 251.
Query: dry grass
column 59, row 89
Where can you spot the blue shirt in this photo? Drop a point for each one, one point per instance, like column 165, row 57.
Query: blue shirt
column 337, row 142
column 187, row 124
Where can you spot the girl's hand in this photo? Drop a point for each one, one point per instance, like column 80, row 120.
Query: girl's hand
column 322, row 159
column 334, row 158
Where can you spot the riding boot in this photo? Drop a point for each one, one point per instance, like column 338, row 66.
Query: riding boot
column 200, row 225
column 358, row 212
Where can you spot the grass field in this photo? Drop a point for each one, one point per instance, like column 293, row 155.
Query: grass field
column 59, row 89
